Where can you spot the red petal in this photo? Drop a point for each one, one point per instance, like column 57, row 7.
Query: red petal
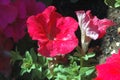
column 103, row 25
column 58, row 47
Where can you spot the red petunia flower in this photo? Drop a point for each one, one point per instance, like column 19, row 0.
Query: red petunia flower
column 109, row 70
column 91, row 26
column 55, row 33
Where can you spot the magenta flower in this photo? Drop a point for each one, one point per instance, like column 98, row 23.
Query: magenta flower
column 8, row 13
column 34, row 7
column 109, row 70
column 16, row 30
column 91, row 26
column 55, row 33
column 4, row 2
column 14, row 14
column 27, row 8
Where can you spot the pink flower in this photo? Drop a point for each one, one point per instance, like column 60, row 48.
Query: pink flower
column 109, row 70
column 55, row 33
column 91, row 26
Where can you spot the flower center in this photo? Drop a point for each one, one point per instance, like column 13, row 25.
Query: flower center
column 50, row 37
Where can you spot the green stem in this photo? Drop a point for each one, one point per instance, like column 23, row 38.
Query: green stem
column 81, row 53
column 81, row 62
column 80, row 50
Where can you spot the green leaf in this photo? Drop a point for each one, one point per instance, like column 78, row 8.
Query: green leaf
column 33, row 55
column 86, row 71
column 89, row 55
column 110, row 3
column 90, row 71
column 73, row 58
column 28, row 57
column 49, row 75
column 117, row 4
column 42, row 60
column 38, row 74
column 61, row 77
column 15, row 55
column 27, row 65
column 113, row 3
column 61, row 72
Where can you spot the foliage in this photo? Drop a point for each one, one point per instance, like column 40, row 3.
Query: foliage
column 113, row 3
column 41, row 68
column 74, row 70
column 31, row 63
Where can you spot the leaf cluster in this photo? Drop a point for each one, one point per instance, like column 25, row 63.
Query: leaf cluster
column 32, row 64
column 42, row 68
column 74, row 70
column 113, row 3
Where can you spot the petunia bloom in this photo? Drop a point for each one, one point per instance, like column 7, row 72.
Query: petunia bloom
column 91, row 26
column 109, row 70
column 8, row 13
column 55, row 33
column 13, row 15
